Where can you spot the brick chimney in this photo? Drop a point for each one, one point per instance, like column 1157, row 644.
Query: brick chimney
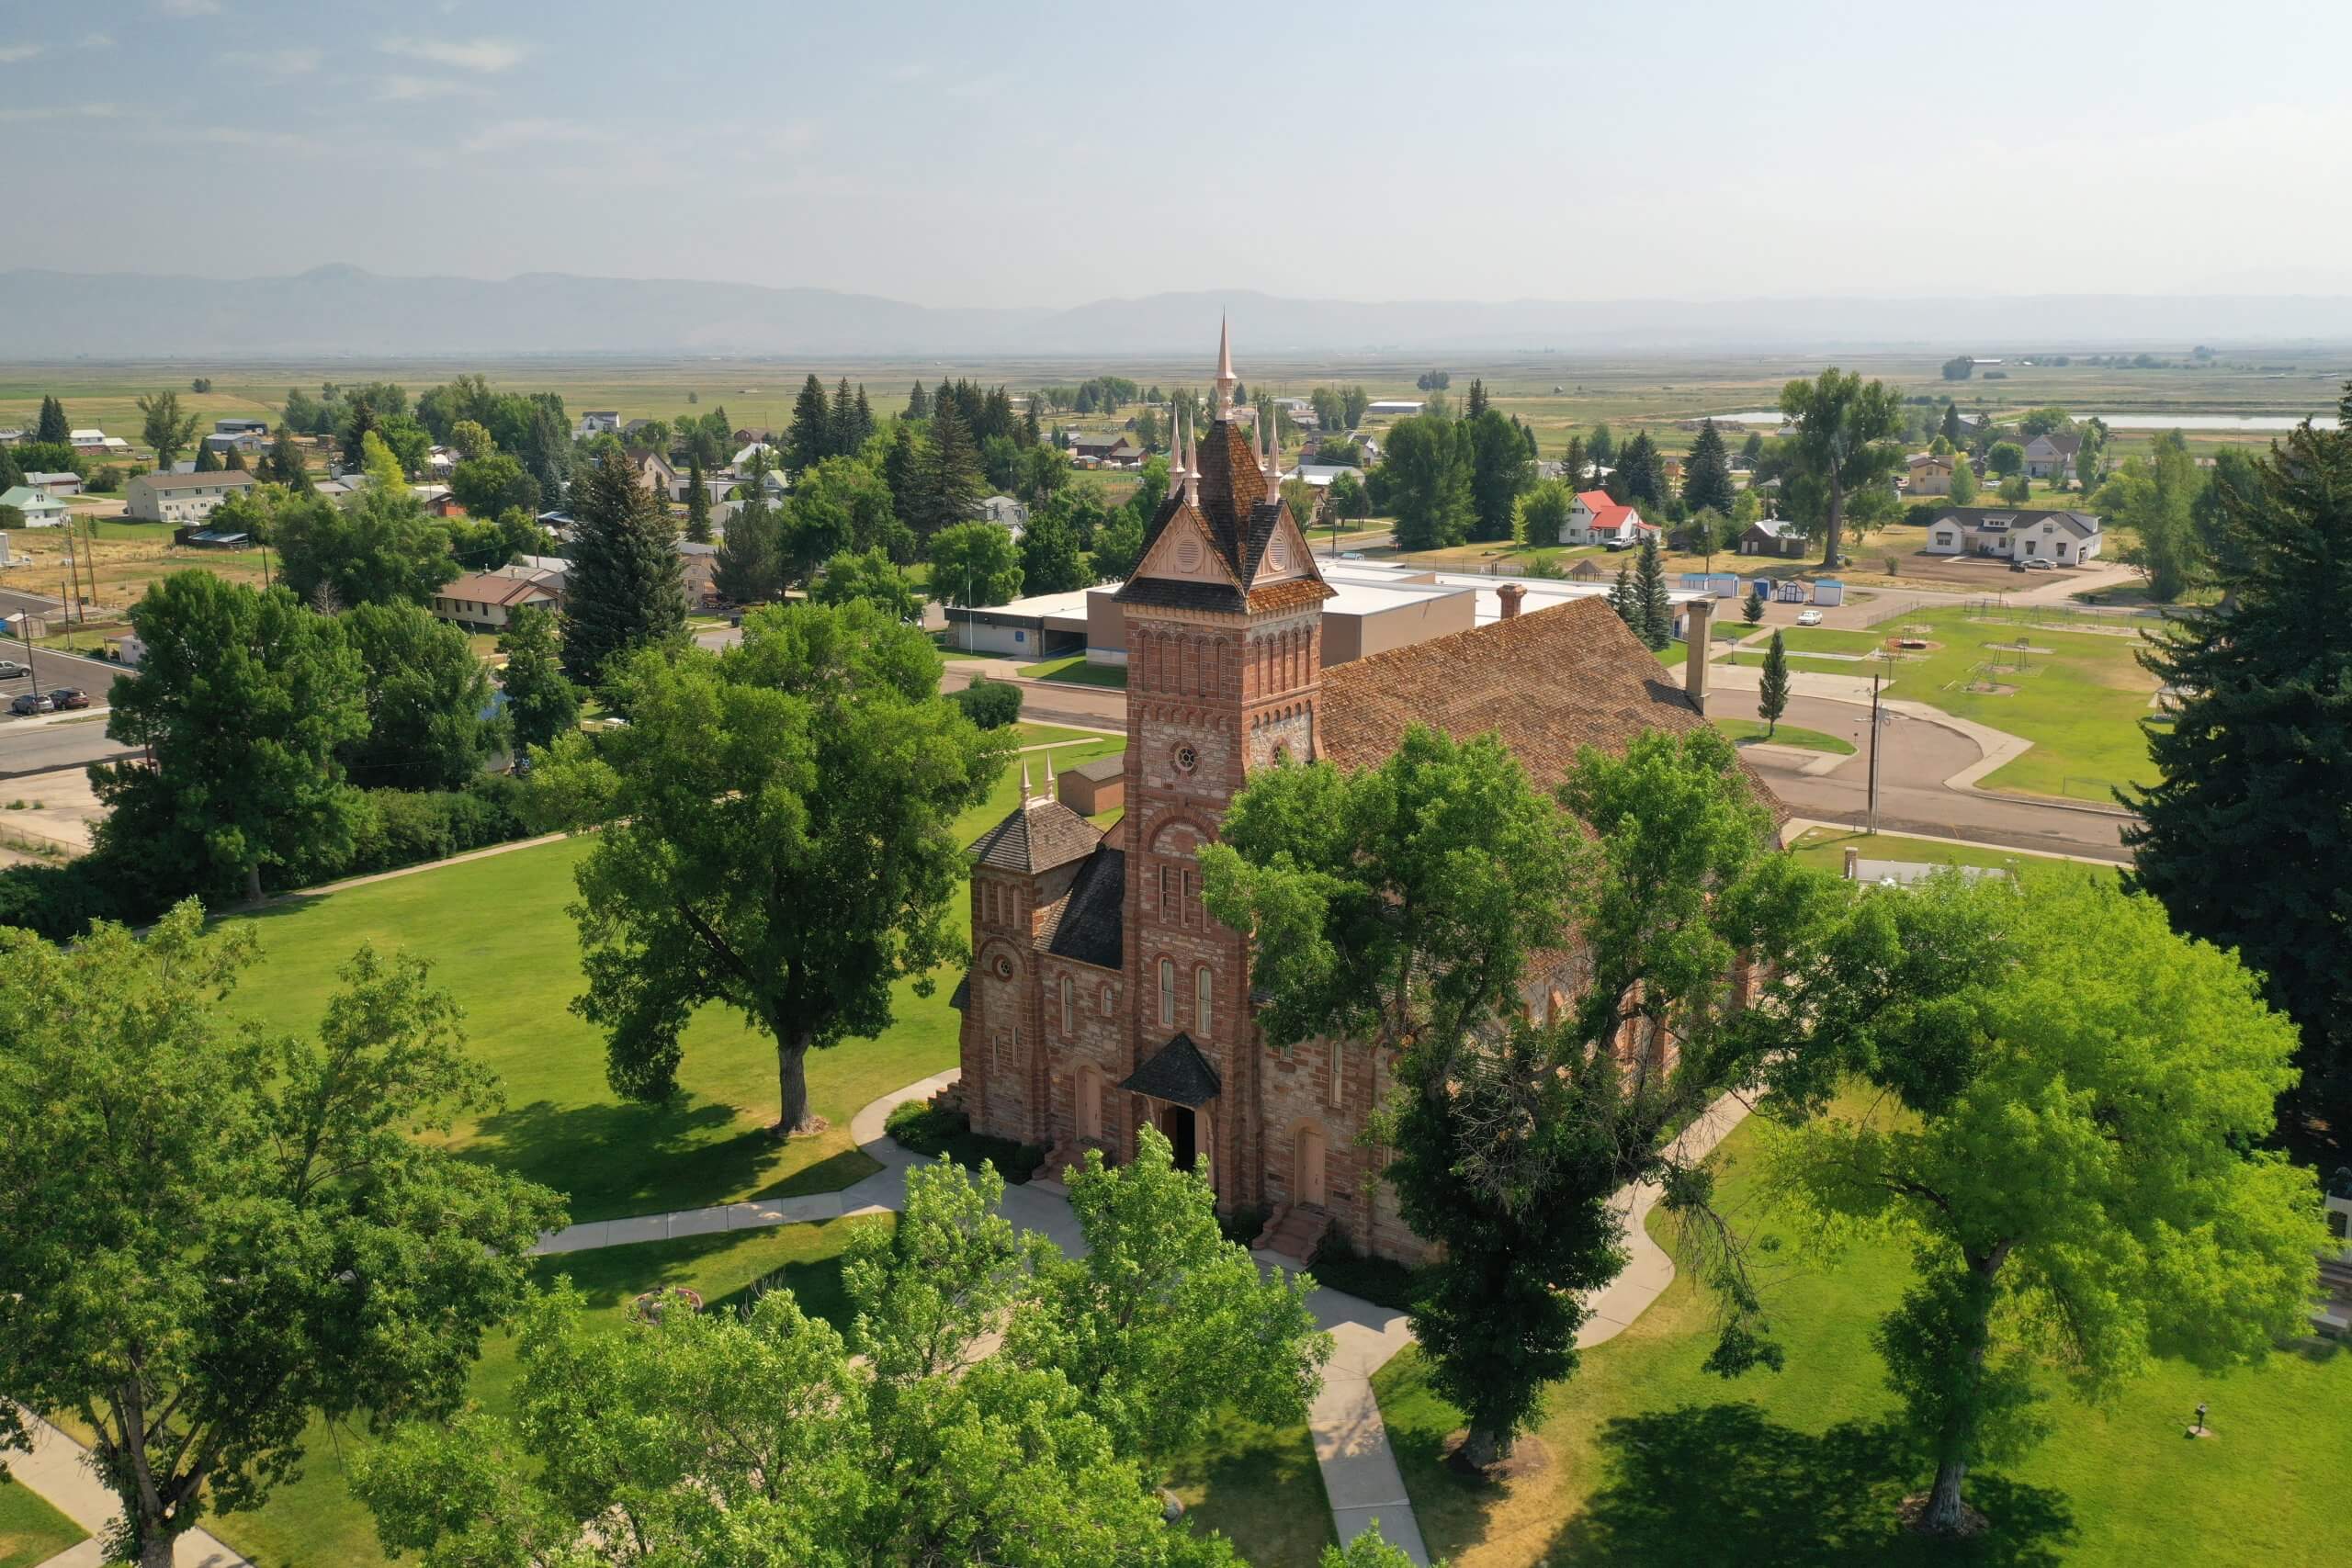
column 1698, row 624
column 1511, row 593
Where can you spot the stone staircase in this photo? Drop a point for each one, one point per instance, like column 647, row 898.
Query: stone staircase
column 2332, row 1314
column 1294, row 1232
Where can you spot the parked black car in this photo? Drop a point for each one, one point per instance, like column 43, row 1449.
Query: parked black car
column 65, row 698
column 32, row 701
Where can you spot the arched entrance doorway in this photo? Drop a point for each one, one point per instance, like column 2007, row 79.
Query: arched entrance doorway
column 1307, row 1168
column 1178, row 1126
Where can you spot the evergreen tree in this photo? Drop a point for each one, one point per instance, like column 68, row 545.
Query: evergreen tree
column 864, row 423
column 1501, row 469
column 626, row 590
column 1640, row 473
column 2256, row 763
column 749, row 568
column 1706, row 473
column 540, row 703
column 1477, row 404
column 1622, row 599
column 1654, row 616
column 235, row 461
column 948, row 480
column 1572, row 463
column 1751, row 609
column 284, row 465
column 1030, row 433
column 845, row 439
column 1772, row 689
column 52, row 429
column 207, row 460
column 697, row 500
column 1602, row 445
column 11, row 475
column 919, row 401
column 810, row 438
column 1952, row 423
column 903, row 471
column 1051, row 561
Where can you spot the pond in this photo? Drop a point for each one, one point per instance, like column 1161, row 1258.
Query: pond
column 2211, row 421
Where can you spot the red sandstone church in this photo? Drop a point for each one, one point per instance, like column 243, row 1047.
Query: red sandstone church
column 1103, row 995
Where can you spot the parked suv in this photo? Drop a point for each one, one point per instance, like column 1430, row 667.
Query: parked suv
column 65, row 698
column 32, row 701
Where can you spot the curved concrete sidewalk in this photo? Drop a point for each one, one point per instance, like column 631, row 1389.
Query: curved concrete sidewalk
column 58, row 1471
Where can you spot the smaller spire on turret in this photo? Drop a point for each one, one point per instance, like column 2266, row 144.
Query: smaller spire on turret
column 1274, row 447
column 1053, row 788
column 1226, row 379
column 1193, row 467
column 1024, row 781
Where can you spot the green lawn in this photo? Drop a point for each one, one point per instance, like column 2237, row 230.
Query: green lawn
column 1076, row 668
column 1825, row 848
column 30, row 1530
column 500, row 940
column 1259, row 1486
column 314, row 1522
column 1058, row 735
column 1829, row 639
column 1656, row 1462
column 1785, row 735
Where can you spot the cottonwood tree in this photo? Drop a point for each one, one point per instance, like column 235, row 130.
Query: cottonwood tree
column 541, row 703
column 626, row 590
column 217, row 1236
column 426, row 695
column 1051, row 561
column 378, row 546
column 975, row 564
column 241, row 701
column 767, row 1437
column 1402, row 905
column 1543, row 511
column 1844, row 441
column 872, row 577
column 168, row 431
column 1426, row 468
column 2156, row 497
column 2070, row 1140
column 777, row 836
column 2255, row 767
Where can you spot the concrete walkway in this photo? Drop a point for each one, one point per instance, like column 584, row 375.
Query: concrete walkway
column 58, row 1471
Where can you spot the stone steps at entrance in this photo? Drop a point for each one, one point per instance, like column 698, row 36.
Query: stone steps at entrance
column 1294, row 1230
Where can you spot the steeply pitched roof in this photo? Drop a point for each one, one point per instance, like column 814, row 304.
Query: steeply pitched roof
column 1087, row 924
column 1608, row 516
column 1178, row 1073
column 1548, row 681
column 1037, row 835
column 1239, row 512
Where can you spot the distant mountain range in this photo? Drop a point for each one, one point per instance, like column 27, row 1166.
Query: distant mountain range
column 343, row 310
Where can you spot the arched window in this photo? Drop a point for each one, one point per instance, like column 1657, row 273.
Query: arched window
column 1069, row 1005
column 1168, row 993
column 1204, row 986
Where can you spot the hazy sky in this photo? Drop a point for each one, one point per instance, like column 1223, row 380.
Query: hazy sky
column 1038, row 154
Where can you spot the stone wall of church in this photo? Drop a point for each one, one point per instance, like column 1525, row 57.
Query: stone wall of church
column 1090, row 1039
column 1315, row 1098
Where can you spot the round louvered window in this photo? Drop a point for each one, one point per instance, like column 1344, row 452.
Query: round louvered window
column 1004, row 968
column 1188, row 555
column 1278, row 551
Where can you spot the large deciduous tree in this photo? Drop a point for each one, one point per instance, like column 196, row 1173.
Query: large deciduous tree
column 1426, row 466
column 493, row 483
column 426, row 695
column 1843, row 442
column 776, row 837
column 541, row 702
column 626, row 589
column 872, row 577
column 168, row 431
column 770, row 1437
column 2256, row 762
column 243, row 700
column 1502, row 466
column 1403, row 905
column 377, row 546
column 975, row 564
column 2156, row 497
column 215, row 1236
column 2065, row 1137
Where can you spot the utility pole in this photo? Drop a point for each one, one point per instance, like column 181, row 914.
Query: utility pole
column 1875, row 727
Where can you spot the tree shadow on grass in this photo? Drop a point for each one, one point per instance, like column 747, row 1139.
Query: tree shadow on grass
column 621, row 1159
column 1722, row 1484
column 612, row 1277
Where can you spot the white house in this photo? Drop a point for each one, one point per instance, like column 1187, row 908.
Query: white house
column 1320, row 475
column 1594, row 519
column 96, row 441
column 2068, row 538
column 42, row 509
column 182, row 498
column 1005, row 512
column 743, row 456
column 1394, row 407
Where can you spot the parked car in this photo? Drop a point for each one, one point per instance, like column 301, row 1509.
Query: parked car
column 2016, row 566
column 2040, row 563
column 65, row 698
column 32, row 701
column 1808, row 617
column 10, row 670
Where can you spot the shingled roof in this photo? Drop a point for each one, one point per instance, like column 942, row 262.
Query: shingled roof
column 1549, row 682
column 1037, row 835
column 1088, row 923
column 1239, row 510
column 1177, row 1073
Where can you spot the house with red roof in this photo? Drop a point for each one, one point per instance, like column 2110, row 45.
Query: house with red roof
column 1597, row 520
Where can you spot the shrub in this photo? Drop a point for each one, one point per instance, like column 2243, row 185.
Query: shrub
column 934, row 1130
column 104, row 481
column 1380, row 1281
column 991, row 705
column 58, row 902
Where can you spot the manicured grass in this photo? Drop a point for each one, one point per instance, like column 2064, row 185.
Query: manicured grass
column 30, row 1530
column 314, row 1522
column 1058, row 735
column 1820, row 664
column 1076, row 668
column 1785, row 735
column 1829, row 639
column 500, row 940
column 1655, row 1460
column 1825, row 848
column 1259, row 1486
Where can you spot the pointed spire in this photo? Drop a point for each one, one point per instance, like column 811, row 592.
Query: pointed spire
column 1024, row 781
column 1193, row 467
column 1272, row 422
column 1053, row 789
column 1225, row 375
column 1175, row 443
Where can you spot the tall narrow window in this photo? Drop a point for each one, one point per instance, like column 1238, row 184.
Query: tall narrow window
column 1069, row 1005
column 1204, row 990
column 1167, row 883
column 1339, row 1072
column 1106, row 1001
column 1168, row 993
column 1191, row 897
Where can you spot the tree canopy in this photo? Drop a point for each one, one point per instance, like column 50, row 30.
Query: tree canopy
column 775, row 837
column 626, row 590
column 1843, row 441
column 426, row 695
column 377, row 546
column 541, row 702
column 1426, row 467
column 975, row 564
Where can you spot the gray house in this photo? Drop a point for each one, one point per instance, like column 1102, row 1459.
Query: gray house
column 2051, row 456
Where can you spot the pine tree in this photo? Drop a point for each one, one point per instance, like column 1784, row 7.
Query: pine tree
column 1623, row 599
column 841, row 428
column 11, row 475
column 1772, row 689
column 697, row 500
column 53, row 429
column 948, row 480
column 626, row 590
column 1572, row 463
column 810, row 439
column 235, row 461
column 749, row 569
column 1477, row 404
column 1751, row 610
column 284, row 465
column 1952, row 423
column 208, row 461
column 903, row 471
column 1706, row 473
column 1030, row 433
column 2256, row 763
column 1655, row 616
column 864, row 421
column 919, row 402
